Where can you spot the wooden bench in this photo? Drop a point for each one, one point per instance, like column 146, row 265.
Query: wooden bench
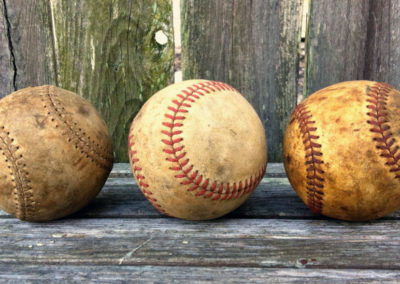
column 272, row 237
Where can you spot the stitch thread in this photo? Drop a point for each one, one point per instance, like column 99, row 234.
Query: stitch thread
column 140, row 178
column 23, row 195
column 313, row 159
column 377, row 98
column 195, row 181
column 85, row 144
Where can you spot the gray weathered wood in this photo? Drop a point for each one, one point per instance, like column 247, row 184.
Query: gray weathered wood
column 224, row 242
column 6, row 58
column 352, row 40
column 184, row 274
column 335, row 46
column 30, row 44
column 252, row 45
column 382, row 55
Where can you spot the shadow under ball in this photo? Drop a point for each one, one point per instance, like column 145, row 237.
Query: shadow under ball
column 56, row 153
column 341, row 150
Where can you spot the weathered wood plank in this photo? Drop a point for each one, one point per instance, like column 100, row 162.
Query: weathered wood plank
column 383, row 42
column 226, row 242
column 184, row 274
column 335, row 43
column 30, row 43
column 107, row 52
column 352, row 40
column 252, row 45
column 6, row 58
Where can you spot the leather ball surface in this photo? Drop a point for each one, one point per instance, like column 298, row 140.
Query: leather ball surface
column 56, row 153
column 341, row 150
column 197, row 149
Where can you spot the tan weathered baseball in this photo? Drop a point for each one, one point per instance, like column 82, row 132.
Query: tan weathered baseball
column 56, row 153
column 341, row 150
column 197, row 149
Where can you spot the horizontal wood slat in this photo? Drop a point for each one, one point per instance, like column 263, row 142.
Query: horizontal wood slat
column 225, row 242
column 185, row 274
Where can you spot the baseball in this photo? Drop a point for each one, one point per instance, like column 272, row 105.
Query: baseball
column 197, row 149
column 341, row 150
column 56, row 153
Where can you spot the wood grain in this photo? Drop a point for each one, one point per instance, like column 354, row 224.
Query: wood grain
column 335, row 44
column 352, row 40
column 225, row 242
column 103, row 50
column 106, row 51
column 252, row 46
column 6, row 58
column 382, row 55
column 29, row 45
column 185, row 274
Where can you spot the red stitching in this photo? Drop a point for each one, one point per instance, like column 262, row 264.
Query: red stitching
column 313, row 158
column 378, row 95
column 185, row 171
column 140, row 177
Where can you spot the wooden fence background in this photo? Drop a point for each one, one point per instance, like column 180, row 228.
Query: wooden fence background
column 106, row 51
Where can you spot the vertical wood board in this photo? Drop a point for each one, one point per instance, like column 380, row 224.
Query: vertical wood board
column 335, row 44
column 382, row 56
column 6, row 67
column 106, row 51
column 352, row 40
column 26, row 46
column 251, row 45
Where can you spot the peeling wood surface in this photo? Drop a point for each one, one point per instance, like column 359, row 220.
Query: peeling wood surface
column 272, row 238
column 251, row 45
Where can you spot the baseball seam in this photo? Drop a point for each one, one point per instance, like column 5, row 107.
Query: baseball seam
column 87, row 147
column 175, row 148
column 143, row 186
column 377, row 98
column 313, row 159
column 23, row 195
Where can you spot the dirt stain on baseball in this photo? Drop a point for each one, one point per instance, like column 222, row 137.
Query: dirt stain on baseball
column 40, row 120
column 83, row 110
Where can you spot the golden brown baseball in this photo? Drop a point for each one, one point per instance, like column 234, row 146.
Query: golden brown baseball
column 341, row 150
column 56, row 153
column 197, row 149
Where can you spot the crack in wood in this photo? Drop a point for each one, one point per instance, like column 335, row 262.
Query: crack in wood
column 129, row 254
column 10, row 45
